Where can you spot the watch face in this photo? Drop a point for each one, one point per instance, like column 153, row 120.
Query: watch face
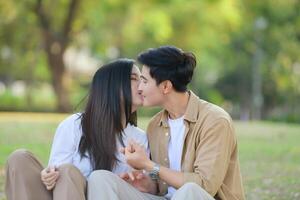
column 153, row 176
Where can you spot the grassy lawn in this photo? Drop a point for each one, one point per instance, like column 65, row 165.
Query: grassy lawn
column 269, row 152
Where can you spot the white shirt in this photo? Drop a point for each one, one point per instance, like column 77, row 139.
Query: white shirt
column 66, row 142
column 177, row 129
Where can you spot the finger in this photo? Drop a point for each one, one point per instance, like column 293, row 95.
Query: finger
column 127, row 150
column 130, row 146
column 51, row 178
column 135, row 145
column 52, row 169
column 131, row 176
column 48, row 176
column 54, row 179
column 49, row 183
column 140, row 176
column 44, row 171
column 123, row 176
column 50, row 187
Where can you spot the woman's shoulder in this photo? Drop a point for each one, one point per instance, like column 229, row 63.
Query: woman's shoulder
column 135, row 132
column 72, row 119
column 70, row 125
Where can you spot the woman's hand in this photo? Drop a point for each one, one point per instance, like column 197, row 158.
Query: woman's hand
column 49, row 177
column 140, row 180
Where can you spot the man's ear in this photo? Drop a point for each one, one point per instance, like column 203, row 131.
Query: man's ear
column 166, row 86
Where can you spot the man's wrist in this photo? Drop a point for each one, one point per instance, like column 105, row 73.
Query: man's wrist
column 149, row 166
column 154, row 171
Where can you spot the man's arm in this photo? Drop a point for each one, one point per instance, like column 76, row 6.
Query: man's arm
column 211, row 163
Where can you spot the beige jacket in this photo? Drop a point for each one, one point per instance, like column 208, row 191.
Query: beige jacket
column 210, row 153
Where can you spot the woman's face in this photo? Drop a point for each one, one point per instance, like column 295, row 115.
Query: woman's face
column 137, row 99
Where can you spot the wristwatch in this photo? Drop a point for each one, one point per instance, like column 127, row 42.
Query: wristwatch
column 154, row 172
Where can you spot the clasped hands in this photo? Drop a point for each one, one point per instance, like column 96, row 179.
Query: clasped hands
column 136, row 156
column 49, row 177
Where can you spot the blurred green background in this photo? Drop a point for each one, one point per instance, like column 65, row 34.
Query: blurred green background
column 248, row 54
column 248, row 51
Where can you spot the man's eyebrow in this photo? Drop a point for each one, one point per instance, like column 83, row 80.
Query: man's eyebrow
column 143, row 77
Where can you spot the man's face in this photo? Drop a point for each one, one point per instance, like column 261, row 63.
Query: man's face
column 151, row 93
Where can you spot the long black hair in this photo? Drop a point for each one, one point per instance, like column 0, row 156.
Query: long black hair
column 107, row 109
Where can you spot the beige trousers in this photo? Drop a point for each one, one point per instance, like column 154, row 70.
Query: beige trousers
column 104, row 185
column 23, row 180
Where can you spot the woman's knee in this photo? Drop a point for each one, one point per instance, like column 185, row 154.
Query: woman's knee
column 70, row 178
column 18, row 158
column 69, row 169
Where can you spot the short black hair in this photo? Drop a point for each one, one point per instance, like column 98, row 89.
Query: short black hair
column 169, row 63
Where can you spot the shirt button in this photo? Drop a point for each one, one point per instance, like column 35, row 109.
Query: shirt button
column 166, row 159
column 167, row 134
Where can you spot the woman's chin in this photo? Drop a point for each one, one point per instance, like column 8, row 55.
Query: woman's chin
column 135, row 107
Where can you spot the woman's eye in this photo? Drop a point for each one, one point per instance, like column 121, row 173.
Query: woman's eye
column 135, row 79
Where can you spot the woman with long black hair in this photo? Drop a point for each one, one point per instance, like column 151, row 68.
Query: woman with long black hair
column 85, row 141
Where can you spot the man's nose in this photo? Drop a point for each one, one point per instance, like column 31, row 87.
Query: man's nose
column 140, row 88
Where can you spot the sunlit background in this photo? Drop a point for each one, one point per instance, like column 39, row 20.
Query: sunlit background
column 248, row 54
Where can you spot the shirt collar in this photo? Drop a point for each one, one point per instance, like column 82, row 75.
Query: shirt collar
column 190, row 114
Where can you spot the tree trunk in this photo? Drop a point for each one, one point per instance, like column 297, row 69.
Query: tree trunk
column 55, row 50
column 59, row 81
column 55, row 43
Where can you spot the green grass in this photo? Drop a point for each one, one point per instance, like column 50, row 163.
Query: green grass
column 269, row 152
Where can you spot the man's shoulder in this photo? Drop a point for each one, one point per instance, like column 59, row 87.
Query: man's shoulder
column 211, row 112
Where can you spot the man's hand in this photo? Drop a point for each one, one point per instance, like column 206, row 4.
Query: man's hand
column 140, row 181
column 137, row 157
column 49, row 177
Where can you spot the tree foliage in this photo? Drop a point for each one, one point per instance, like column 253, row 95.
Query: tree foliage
column 247, row 51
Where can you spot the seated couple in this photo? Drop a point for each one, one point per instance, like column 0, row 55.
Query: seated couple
column 189, row 150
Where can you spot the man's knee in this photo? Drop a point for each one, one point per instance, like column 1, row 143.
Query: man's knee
column 189, row 187
column 100, row 175
column 103, row 179
column 193, row 191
